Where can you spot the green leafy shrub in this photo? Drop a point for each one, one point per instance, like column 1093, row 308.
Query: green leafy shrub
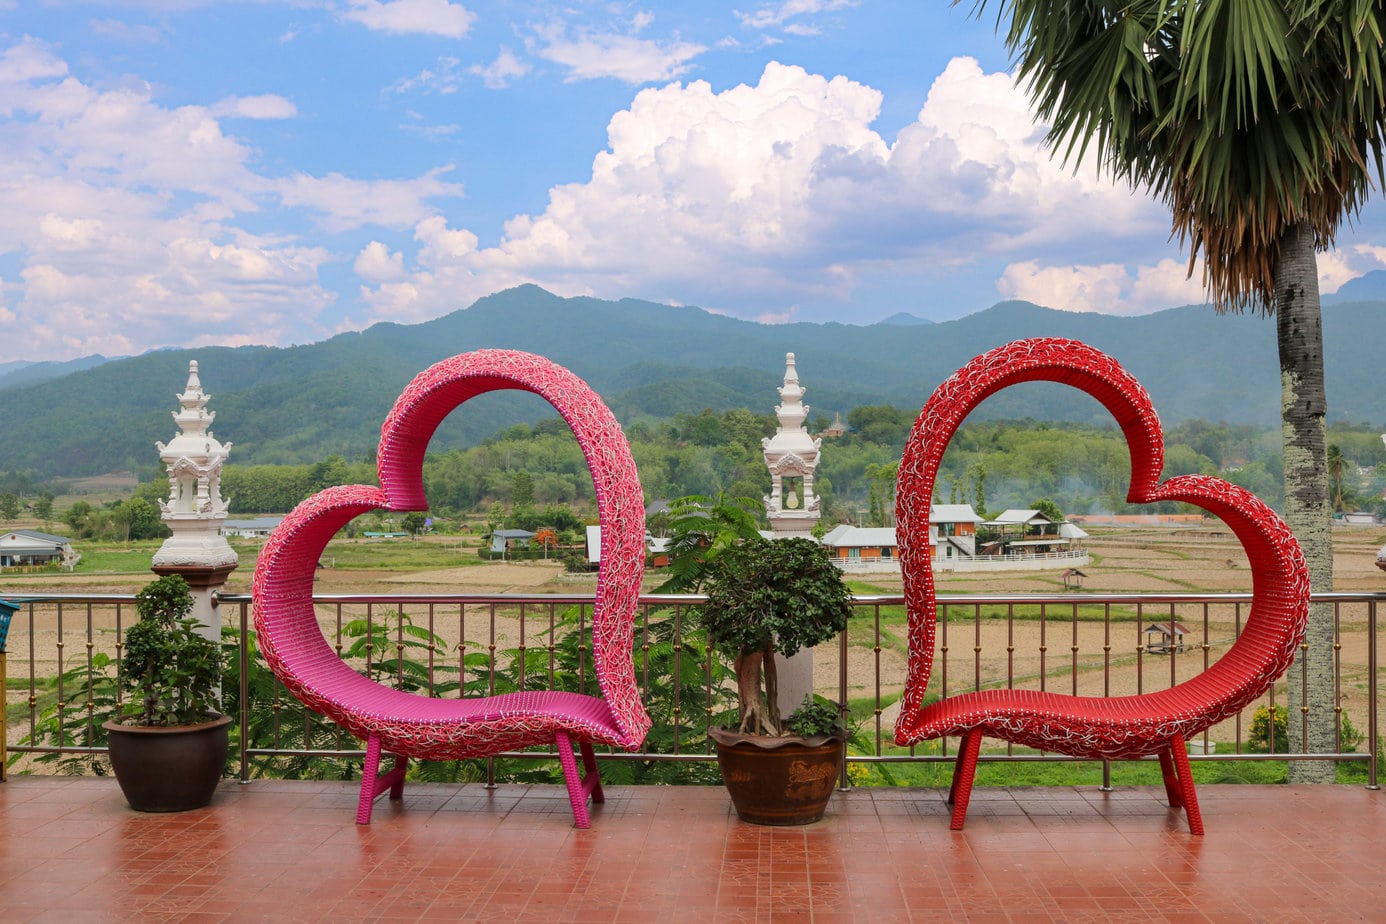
column 1350, row 738
column 1264, row 725
column 174, row 671
column 815, row 716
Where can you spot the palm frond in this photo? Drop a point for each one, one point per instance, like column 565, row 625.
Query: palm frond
column 1246, row 117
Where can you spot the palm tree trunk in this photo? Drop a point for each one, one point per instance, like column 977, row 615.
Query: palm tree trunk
column 1299, row 335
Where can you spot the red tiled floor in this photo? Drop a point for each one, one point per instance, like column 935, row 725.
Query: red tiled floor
column 70, row 850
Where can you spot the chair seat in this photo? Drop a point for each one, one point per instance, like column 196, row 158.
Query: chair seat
column 1078, row 726
column 435, row 728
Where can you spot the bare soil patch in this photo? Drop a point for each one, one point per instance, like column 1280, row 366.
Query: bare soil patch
column 499, row 577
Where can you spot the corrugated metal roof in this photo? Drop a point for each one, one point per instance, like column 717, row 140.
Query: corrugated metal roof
column 35, row 534
column 861, row 536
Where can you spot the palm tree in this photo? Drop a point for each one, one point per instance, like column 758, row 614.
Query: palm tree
column 1342, row 497
column 1259, row 123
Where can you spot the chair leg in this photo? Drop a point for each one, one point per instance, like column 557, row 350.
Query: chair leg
column 590, row 772
column 1171, row 775
column 963, row 772
column 373, row 782
column 1180, row 753
column 579, row 788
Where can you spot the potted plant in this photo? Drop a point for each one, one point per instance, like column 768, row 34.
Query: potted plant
column 767, row 597
column 169, row 747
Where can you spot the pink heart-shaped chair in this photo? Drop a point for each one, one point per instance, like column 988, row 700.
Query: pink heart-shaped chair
column 1092, row 727
column 409, row 725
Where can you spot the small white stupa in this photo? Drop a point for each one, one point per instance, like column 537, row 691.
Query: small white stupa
column 791, row 455
column 195, row 510
column 793, row 510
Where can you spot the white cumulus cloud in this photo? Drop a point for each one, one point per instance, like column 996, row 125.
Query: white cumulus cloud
column 344, row 202
column 1108, row 288
column 777, row 14
column 125, row 220
column 759, row 197
column 264, row 106
column 375, row 263
column 590, row 55
column 1339, row 267
column 500, row 72
column 428, row 17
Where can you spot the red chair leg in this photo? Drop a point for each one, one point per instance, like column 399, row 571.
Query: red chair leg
column 1190, row 797
column 957, row 766
column 963, row 772
column 1172, row 784
column 373, row 782
column 578, row 787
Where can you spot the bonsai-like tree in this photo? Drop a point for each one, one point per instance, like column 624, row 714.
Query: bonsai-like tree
column 175, row 672
column 768, row 596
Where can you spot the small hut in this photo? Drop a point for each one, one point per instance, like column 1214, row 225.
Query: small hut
column 1164, row 637
column 1073, row 579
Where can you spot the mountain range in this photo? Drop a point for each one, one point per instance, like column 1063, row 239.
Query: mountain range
column 647, row 360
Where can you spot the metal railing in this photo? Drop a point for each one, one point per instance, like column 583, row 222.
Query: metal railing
column 62, row 647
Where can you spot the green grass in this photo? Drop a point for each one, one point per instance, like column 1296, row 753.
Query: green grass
column 116, row 558
column 45, row 698
column 397, row 554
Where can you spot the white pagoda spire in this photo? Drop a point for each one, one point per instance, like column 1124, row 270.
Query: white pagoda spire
column 195, row 509
column 791, row 455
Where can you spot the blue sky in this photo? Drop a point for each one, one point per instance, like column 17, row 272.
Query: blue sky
column 194, row 172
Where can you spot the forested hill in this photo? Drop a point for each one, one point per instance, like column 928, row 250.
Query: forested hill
column 303, row 403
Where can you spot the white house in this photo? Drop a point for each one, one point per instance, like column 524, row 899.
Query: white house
column 257, row 528
column 657, row 548
column 26, row 548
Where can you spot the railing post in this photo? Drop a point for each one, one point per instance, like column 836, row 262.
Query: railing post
column 244, row 687
column 1373, row 739
column 843, row 783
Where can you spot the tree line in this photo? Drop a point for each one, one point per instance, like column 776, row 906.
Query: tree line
column 539, row 469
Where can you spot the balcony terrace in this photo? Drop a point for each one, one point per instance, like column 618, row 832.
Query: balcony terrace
column 493, row 845
column 70, row 850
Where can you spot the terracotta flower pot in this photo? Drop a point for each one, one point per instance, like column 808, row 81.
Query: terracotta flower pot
column 168, row 769
column 779, row 781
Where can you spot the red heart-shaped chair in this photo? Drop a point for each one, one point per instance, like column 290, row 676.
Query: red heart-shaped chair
column 1092, row 727
column 409, row 725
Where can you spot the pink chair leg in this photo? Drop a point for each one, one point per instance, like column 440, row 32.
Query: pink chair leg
column 578, row 788
column 373, row 782
column 590, row 772
column 963, row 772
column 1171, row 775
column 1186, row 784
